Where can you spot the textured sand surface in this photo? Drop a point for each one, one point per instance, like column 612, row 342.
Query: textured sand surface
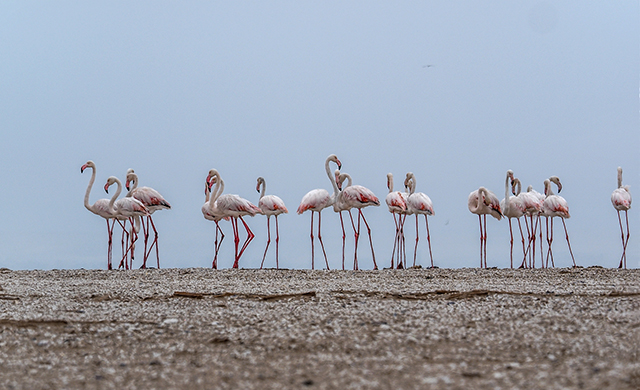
column 271, row 329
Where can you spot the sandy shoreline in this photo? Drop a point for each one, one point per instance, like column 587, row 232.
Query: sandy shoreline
column 441, row 328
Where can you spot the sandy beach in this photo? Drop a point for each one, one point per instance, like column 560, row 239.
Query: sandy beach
column 271, row 329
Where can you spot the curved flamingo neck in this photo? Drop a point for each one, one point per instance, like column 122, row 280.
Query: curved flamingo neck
column 215, row 194
column 390, row 182
column 506, row 192
column 411, row 180
column 86, row 195
column 331, row 177
column 115, row 196
column 134, row 183
column 263, row 188
column 547, row 188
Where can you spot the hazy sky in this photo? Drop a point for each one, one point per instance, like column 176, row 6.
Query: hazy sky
column 271, row 88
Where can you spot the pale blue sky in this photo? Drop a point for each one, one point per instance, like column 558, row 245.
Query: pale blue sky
column 270, row 89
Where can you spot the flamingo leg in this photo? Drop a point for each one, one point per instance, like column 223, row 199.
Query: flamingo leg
column 356, row 235
column 236, row 240
column 145, row 232
column 415, row 249
column 623, row 258
column 542, row 265
column 549, row 241
column 401, row 243
column 568, row 243
column 320, row 239
column 484, row 222
column 312, row 239
column 110, row 245
column 395, row 240
column 344, row 235
column 524, row 252
column 268, row 241
column 123, row 263
column 216, row 246
column 375, row 265
column 404, row 242
column 250, row 237
column 426, row 222
column 511, row 242
column 481, row 240
column 277, row 242
column 154, row 243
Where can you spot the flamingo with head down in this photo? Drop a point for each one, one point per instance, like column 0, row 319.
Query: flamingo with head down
column 555, row 206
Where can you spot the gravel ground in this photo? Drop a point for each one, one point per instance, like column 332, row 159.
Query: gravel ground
column 272, row 329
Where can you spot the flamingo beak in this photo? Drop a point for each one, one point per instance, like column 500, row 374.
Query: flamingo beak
column 559, row 187
column 106, row 188
column 82, row 168
column 127, row 185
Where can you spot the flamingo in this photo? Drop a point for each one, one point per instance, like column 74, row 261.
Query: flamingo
column 270, row 205
column 540, row 198
column 153, row 201
column 512, row 207
column 418, row 203
column 555, row 206
column 210, row 213
column 621, row 200
column 102, row 208
column 482, row 202
column 532, row 206
column 126, row 209
column 233, row 206
column 397, row 204
column 359, row 197
column 317, row 200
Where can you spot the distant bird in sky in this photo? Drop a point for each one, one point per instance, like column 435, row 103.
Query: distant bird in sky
column 418, row 203
column 397, row 204
column 270, row 205
column 153, row 201
column 317, row 200
column 512, row 207
column 235, row 207
column 482, row 202
column 101, row 207
column 359, row 197
column 621, row 200
column 127, row 208
column 555, row 206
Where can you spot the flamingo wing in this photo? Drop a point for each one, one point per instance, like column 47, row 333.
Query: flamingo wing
column 621, row 199
column 420, row 203
column 315, row 200
column 359, row 196
column 272, row 204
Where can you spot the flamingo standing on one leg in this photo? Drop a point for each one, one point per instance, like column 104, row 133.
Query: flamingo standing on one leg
column 270, row 205
column 102, row 208
column 127, row 209
column 359, row 197
column 621, row 200
column 153, row 201
column 397, row 204
column 317, row 200
column 482, row 202
column 210, row 213
column 235, row 207
column 555, row 206
column 418, row 203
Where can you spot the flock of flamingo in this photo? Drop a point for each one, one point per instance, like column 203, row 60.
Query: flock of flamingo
column 140, row 203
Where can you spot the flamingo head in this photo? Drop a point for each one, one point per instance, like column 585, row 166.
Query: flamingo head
column 89, row 164
column 556, row 179
column 334, row 158
column 260, row 182
column 110, row 182
column 212, row 174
